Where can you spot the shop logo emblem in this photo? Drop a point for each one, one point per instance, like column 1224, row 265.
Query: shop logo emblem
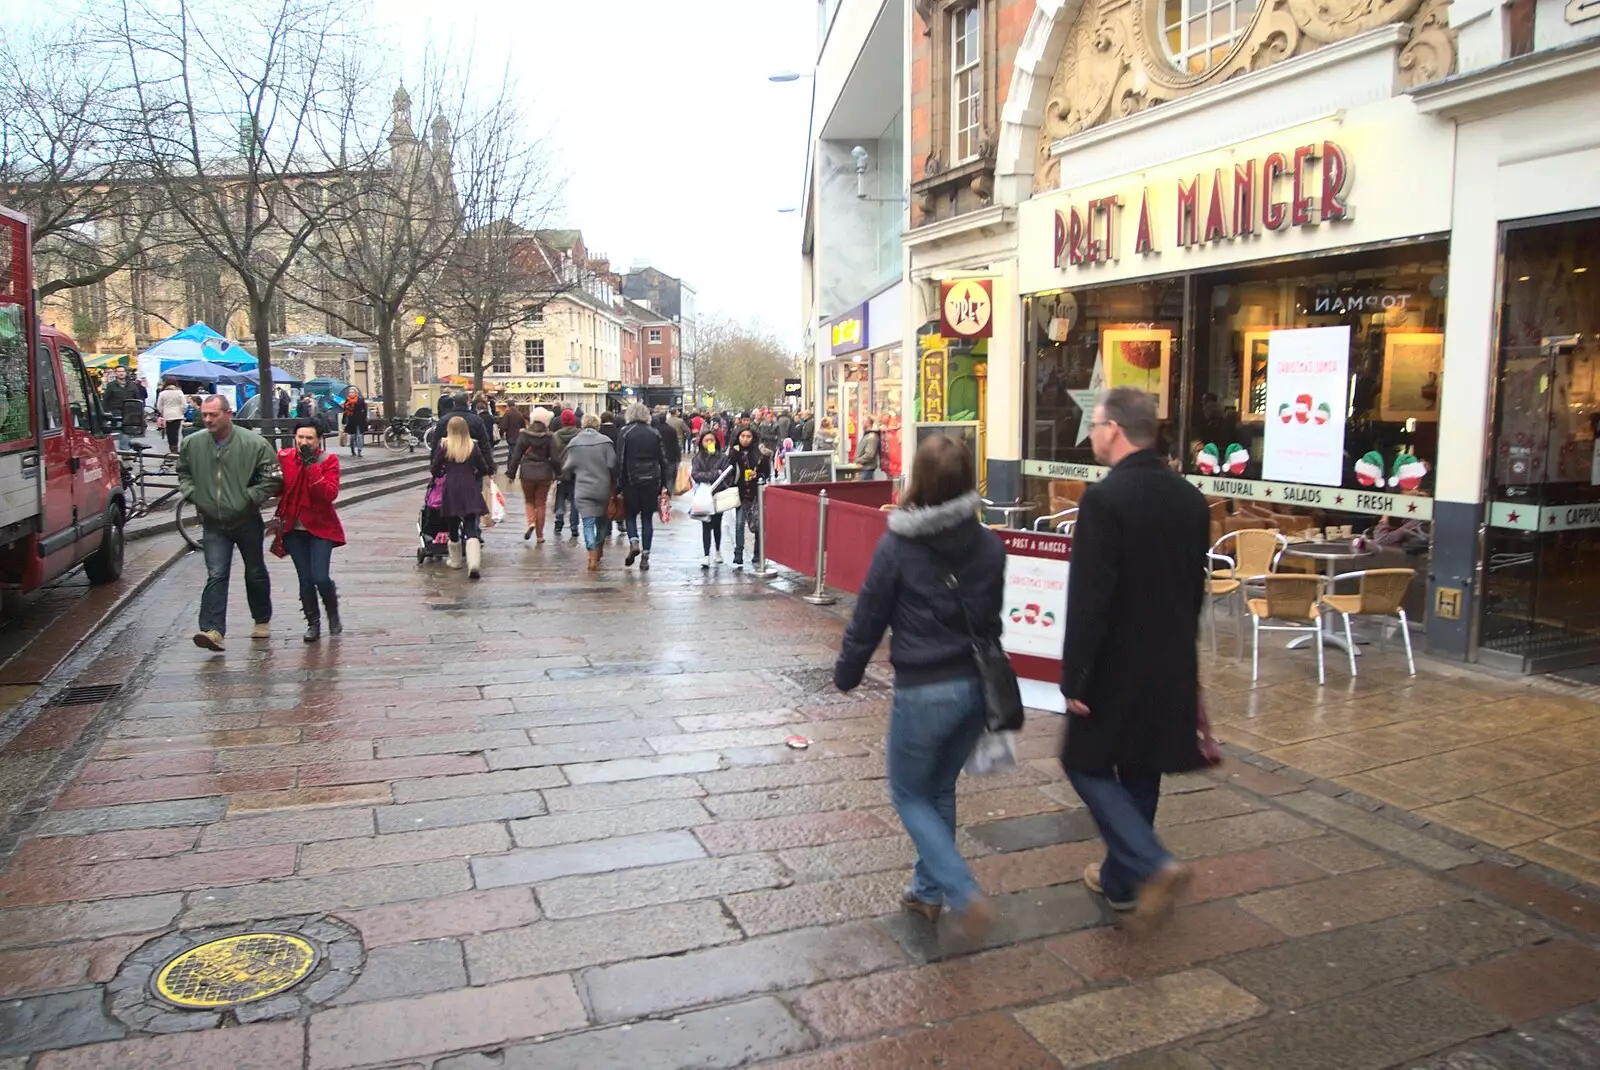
column 1032, row 613
column 966, row 308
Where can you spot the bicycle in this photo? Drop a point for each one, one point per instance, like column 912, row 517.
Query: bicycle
column 138, row 480
column 403, row 434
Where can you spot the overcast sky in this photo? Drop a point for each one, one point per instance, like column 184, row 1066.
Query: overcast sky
column 680, row 152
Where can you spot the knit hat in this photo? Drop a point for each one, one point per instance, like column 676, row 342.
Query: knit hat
column 541, row 415
column 569, row 418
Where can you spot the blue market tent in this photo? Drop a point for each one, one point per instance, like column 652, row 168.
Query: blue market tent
column 203, row 371
column 253, row 376
column 197, row 342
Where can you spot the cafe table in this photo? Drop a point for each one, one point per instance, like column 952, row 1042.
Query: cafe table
column 1330, row 554
column 1010, row 512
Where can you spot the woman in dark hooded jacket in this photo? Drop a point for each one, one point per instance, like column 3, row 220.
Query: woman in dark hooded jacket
column 707, row 466
column 752, row 466
column 566, row 501
column 936, row 580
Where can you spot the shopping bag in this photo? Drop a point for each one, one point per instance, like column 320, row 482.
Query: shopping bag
column 994, row 753
column 702, row 501
column 725, row 501
column 683, row 483
column 344, row 438
column 497, row 506
column 664, row 508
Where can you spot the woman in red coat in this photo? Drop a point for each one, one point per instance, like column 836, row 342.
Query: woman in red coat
column 308, row 526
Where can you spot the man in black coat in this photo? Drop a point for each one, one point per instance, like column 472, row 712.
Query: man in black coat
column 452, row 406
column 1129, row 667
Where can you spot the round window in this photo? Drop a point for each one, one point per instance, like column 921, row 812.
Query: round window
column 1199, row 34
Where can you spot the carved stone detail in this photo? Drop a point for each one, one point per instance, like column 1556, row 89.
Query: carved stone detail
column 1115, row 65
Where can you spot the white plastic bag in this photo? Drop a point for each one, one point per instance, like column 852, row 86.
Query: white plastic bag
column 701, row 500
column 497, row 506
column 995, row 753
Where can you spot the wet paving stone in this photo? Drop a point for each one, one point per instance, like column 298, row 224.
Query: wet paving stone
column 510, row 781
column 402, row 847
column 268, row 1046
column 1229, row 835
column 36, row 926
column 1350, row 899
column 133, row 816
column 451, row 915
column 1522, row 891
column 1018, row 918
column 897, row 999
column 1408, row 843
column 392, row 1030
column 288, row 828
column 655, row 986
column 144, row 875
column 473, row 810
column 1365, row 1032
column 799, row 830
column 1194, row 935
column 307, row 895
column 104, row 847
column 640, row 768
column 988, row 1040
column 553, row 946
column 1040, row 830
column 572, row 897
column 1532, row 982
column 408, row 970
column 1119, row 1021
column 1354, row 960
column 736, row 1035
column 624, row 793
column 582, row 825
column 535, row 864
column 522, row 756
column 59, row 1020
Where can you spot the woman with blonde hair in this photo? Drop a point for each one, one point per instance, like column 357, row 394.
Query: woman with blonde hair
column 460, row 461
column 825, row 439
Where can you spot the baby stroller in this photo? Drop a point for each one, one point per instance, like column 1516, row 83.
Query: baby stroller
column 433, row 529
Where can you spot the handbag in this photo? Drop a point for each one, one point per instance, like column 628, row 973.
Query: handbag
column 726, row 501
column 684, row 483
column 616, row 508
column 344, row 438
column 1002, row 695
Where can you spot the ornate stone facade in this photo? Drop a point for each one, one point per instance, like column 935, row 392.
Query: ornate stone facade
column 1115, row 63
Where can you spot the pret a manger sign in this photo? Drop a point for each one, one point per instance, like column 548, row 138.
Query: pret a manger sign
column 1303, row 185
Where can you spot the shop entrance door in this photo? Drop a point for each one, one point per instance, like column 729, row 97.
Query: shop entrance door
column 1541, row 586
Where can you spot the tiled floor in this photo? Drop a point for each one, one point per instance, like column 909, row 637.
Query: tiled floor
column 1515, row 764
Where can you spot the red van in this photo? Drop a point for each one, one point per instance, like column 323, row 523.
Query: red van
column 61, row 499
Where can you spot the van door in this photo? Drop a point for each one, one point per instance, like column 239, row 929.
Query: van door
column 57, row 523
column 89, row 490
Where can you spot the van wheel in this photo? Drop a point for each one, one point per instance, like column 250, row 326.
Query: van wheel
column 105, row 564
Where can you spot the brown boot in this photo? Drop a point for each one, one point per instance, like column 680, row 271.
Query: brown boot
column 594, row 560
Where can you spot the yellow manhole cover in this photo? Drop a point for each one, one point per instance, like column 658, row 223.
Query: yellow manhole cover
column 236, row 969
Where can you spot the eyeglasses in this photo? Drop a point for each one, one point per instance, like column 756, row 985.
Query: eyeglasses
column 1098, row 424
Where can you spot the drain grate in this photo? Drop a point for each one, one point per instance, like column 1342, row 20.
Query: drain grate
column 90, row 695
column 236, row 969
column 820, row 681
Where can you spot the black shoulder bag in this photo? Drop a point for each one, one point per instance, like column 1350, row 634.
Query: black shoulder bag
column 1002, row 696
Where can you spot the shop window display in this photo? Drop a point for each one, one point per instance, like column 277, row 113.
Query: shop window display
column 1541, row 601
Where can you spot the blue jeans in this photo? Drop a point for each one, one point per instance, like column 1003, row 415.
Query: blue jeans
column 566, row 504
column 932, row 730
column 1124, row 809
column 218, row 544
column 595, row 529
column 741, row 520
column 313, row 558
column 642, row 526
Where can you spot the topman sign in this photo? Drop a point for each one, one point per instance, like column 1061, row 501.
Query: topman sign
column 1299, row 186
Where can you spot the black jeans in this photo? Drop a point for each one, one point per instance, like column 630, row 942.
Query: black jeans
column 174, row 431
column 709, row 530
column 218, row 544
column 313, row 560
column 463, row 528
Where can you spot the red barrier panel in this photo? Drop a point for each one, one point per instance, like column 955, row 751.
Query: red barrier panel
column 872, row 492
column 853, row 534
column 791, row 528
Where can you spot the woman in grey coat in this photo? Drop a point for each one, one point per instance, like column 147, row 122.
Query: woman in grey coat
column 589, row 461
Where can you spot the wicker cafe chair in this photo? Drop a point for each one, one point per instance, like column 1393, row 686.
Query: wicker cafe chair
column 1291, row 599
column 1381, row 594
column 1220, row 583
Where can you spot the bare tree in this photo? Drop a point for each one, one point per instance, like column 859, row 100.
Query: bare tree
column 67, row 160
column 245, row 113
column 500, row 274
column 742, row 366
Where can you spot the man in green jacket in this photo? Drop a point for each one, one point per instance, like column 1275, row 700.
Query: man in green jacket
column 227, row 474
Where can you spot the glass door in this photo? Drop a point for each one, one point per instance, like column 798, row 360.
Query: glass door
column 1541, row 596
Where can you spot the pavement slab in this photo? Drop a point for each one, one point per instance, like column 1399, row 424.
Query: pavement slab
column 558, row 811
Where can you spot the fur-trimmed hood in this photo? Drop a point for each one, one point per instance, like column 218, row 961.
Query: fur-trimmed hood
column 915, row 522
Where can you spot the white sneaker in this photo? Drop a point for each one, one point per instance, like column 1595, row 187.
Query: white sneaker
column 705, row 562
column 719, row 557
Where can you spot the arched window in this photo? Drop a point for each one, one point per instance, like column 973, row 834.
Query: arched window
column 1199, row 34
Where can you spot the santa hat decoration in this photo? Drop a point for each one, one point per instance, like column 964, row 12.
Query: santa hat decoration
column 1302, row 408
column 1236, row 460
column 1408, row 472
column 1205, row 459
column 1285, row 412
column 1369, row 469
column 1322, row 414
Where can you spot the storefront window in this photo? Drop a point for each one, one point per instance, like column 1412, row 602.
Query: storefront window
column 886, row 386
column 1541, row 599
